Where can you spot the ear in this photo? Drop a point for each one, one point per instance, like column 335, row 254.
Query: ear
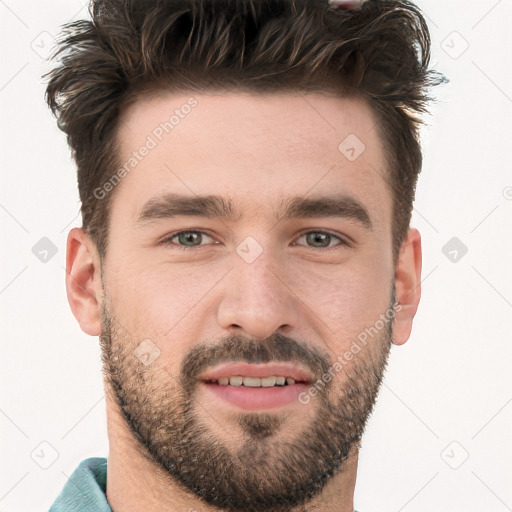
column 407, row 286
column 83, row 281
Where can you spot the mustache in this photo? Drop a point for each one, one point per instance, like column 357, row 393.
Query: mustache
column 235, row 348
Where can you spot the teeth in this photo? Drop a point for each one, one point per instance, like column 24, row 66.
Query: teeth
column 268, row 382
column 236, row 381
column 255, row 382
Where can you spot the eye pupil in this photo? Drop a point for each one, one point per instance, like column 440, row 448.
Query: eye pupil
column 189, row 236
column 319, row 239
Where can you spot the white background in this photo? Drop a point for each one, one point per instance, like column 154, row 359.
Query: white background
column 447, row 394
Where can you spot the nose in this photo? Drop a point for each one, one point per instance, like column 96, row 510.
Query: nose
column 256, row 300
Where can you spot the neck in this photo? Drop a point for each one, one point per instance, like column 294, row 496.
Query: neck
column 135, row 482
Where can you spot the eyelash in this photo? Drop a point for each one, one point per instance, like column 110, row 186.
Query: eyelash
column 166, row 242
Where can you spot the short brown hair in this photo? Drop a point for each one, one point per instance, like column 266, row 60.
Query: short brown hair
column 379, row 52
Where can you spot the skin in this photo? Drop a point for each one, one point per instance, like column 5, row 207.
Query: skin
column 254, row 149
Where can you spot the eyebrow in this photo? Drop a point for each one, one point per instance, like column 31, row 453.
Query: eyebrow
column 213, row 206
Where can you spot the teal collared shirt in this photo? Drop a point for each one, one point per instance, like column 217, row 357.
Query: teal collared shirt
column 85, row 491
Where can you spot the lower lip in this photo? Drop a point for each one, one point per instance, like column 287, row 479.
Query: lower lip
column 249, row 398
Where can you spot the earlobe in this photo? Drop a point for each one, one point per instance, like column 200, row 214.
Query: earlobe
column 83, row 281
column 407, row 286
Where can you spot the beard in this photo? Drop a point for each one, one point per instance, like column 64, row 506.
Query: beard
column 270, row 468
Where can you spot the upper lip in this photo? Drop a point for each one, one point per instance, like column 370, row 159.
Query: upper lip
column 257, row 370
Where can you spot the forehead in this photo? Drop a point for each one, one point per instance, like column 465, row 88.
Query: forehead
column 248, row 147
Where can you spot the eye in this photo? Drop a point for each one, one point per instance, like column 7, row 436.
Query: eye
column 193, row 238
column 323, row 239
column 186, row 239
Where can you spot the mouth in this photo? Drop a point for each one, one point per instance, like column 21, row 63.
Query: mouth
column 254, row 382
column 256, row 386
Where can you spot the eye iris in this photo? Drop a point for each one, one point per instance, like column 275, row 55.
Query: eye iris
column 190, row 236
column 319, row 239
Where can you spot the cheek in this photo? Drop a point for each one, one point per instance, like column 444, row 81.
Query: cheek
column 347, row 298
column 160, row 300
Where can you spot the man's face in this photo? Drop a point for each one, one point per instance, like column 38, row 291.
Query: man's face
column 280, row 287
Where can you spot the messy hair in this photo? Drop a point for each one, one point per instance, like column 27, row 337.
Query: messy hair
column 379, row 52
